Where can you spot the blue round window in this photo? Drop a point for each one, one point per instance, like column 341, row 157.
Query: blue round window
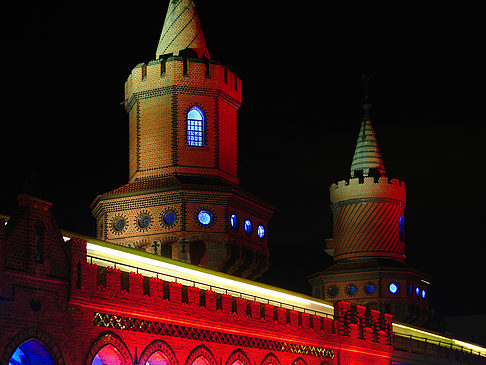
column 234, row 221
column 393, row 288
column 424, row 293
column 261, row 231
column 247, row 226
column 169, row 218
column 370, row 288
column 417, row 291
column 204, row 217
column 351, row 289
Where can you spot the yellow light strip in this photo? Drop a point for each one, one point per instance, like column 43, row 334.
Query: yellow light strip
column 407, row 331
column 208, row 279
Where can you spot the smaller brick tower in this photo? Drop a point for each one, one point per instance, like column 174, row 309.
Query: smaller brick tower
column 369, row 239
column 183, row 200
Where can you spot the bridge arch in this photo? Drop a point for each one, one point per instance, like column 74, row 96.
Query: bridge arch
column 108, row 348
column 34, row 344
column 201, row 355
column 158, row 353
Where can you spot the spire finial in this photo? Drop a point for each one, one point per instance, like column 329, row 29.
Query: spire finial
column 365, row 106
column 367, row 157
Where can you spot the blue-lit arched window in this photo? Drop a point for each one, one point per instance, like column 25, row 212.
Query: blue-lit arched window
column 195, row 127
column 401, row 229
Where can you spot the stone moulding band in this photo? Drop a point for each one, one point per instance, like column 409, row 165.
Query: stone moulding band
column 174, row 330
column 342, row 203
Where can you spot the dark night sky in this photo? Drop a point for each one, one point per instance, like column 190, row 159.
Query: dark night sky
column 64, row 66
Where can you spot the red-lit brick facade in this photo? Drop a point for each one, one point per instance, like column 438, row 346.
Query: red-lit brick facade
column 80, row 308
column 62, row 304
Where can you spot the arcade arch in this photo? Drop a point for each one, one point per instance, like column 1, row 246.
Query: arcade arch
column 270, row 359
column 158, row 353
column 31, row 352
column 201, row 356
column 34, row 346
column 108, row 349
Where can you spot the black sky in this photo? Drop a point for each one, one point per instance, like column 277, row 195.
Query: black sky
column 64, row 66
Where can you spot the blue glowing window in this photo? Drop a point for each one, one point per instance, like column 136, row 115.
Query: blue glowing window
column 261, row 232
column 393, row 288
column 351, row 289
column 411, row 289
column 234, row 221
column 424, row 293
column 195, row 127
column 370, row 288
column 247, row 226
column 417, row 291
column 204, row 217
column 400, row 226
column 169, row 218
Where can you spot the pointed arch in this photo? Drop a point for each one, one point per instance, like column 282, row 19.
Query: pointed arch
column 158, row 346
column 238, row 356
column 109, row 339
column 270, row 359
column 299, row 361
column 201, row 351
column 33, row 334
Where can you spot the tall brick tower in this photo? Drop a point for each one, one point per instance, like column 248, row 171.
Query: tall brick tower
column 369, row 239
column 183, row 200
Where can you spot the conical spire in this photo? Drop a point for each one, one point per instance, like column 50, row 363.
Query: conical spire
column 367, row 156
column 182, row 30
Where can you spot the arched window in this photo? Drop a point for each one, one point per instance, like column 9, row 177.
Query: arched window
column 158, row 358
column 401, row 229
column 195, row 127
column 31, row 352
column 108, row 354
column 39, row 242
column 200, row 360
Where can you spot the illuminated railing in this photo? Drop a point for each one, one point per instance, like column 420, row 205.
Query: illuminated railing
column 407, row 338
column 214, row 283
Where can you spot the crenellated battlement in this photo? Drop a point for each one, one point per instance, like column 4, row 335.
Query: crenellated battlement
column 368, row 187
column 185, row 72
column 121, row 289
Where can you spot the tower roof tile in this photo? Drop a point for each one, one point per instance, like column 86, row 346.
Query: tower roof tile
column 367, row 156
column 182, row 30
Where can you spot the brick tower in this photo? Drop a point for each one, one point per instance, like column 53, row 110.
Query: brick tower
column 369, row 239
column 183, row 200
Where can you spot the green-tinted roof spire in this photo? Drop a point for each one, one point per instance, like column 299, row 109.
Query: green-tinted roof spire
column 182, row 30
column 367, row 156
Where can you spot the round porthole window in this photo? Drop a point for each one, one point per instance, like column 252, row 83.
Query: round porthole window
column 369, row 288
column 417, row 291
column 234, row 221
column 351, row 290
column 248, row 226
column 332, row 291
column 261, row 232
column 119, row 224
column 204, row 217
column 143, row 220
column 393, row 288
column 169, row 218
column 424, row 293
